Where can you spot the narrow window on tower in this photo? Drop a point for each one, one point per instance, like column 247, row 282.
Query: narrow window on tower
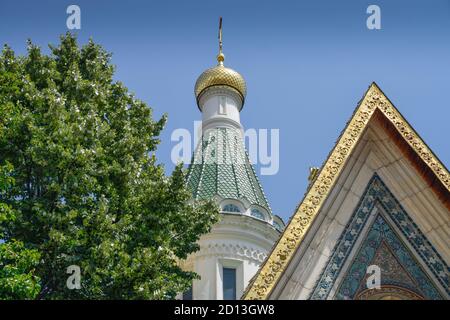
column 187, row 295
column 229, row 284
column 222, row 105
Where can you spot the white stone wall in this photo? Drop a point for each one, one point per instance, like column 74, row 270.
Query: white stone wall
column 236, row 241
column 220, row 108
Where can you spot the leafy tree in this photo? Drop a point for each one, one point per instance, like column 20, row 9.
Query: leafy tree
column 88, row 190
column 17, row 263
column 17, row 279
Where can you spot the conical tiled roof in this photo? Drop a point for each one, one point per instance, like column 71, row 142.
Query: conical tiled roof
column 221, row 167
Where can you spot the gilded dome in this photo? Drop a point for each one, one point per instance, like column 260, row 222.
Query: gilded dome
column 220, row 76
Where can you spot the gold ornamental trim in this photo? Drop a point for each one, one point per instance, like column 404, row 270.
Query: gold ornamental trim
column 270, row 272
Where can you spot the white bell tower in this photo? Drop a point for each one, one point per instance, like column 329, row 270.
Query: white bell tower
column 232, row 252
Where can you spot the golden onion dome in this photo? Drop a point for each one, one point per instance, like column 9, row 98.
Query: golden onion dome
column 220, row 76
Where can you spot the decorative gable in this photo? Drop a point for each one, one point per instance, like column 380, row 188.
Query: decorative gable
column 377, row 139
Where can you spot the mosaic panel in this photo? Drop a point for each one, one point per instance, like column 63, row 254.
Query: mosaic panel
column 377, row 193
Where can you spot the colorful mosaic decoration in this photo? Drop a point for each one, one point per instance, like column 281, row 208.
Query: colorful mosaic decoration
column 382, row 243
column 221, row 167
column 399, row 269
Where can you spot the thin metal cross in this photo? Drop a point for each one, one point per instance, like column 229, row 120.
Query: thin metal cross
column 220, row 35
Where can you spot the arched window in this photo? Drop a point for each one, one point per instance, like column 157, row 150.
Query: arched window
column 231, row 208
column 277, row 226
column 257, row 214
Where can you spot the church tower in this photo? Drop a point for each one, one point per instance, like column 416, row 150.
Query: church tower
column 232, row 252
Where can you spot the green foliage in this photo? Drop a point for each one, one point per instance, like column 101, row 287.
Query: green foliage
column 88, row 190
column 17, row 278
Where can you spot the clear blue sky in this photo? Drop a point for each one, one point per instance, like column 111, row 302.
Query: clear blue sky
column 306, row 63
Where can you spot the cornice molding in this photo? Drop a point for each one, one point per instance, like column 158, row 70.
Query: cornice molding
column 218, row 90
column 230, row 250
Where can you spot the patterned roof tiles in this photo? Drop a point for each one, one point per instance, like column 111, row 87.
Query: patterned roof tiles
column 221, row 167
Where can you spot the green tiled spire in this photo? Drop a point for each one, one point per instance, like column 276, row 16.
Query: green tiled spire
column 221, row 166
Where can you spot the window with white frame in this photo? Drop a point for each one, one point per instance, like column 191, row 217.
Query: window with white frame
column 277, row 226
column 229, row 207
column 257, row 214
column 229, row 283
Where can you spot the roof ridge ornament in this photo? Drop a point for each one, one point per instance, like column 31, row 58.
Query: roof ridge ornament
column 313, row 172
column 220, row 56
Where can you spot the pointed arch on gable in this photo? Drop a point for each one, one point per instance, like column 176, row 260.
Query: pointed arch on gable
column 368, row 233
